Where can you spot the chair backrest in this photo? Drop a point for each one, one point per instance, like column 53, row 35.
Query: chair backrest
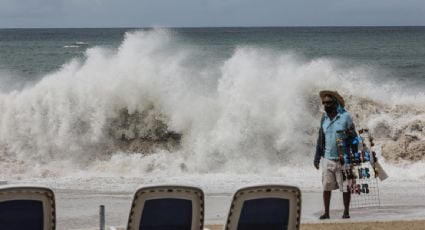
column 270, row 207
column 23, row 208
column 167, row 208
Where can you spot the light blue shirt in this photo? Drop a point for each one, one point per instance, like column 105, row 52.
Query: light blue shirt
column 342, row 121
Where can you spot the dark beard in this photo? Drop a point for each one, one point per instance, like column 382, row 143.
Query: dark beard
column 330, row 109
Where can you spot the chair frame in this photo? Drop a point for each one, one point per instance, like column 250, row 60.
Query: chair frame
column 196, row 195
column 292, row 193
column 43, row 194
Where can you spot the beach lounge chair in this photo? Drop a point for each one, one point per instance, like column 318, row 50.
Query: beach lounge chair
column 268, row 207
column 27, row 208
column 167, row 208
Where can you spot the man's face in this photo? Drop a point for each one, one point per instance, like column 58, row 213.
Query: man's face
column 328, row 103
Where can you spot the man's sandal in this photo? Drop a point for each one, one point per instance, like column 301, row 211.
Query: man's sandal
column 324, row 217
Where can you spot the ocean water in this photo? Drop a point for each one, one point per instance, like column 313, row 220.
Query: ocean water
column 116, row 108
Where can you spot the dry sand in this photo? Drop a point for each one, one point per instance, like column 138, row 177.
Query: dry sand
column 381, row 225
column 387, row 225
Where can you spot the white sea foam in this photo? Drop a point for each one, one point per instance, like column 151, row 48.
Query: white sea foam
column 256, row 112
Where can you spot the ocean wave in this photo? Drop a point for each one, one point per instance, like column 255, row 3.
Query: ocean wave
column 145, row 105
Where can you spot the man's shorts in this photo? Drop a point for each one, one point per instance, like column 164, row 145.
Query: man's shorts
column 332, row 176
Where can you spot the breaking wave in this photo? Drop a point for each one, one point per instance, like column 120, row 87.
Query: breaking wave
column 149, row 106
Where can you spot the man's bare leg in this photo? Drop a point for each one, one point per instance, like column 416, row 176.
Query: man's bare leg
column 326, row 202
column 346, row 197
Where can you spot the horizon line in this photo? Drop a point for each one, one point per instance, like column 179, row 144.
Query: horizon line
column 217, row 27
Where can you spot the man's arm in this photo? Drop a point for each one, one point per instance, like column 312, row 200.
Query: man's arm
column 319, row 149
column 319, row 144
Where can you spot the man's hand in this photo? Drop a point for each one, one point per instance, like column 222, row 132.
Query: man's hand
column 316, row 165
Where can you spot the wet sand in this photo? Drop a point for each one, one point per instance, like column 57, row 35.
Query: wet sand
column 79, row 209
column 403, row 207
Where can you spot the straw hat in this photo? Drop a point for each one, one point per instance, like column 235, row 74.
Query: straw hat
column 335, row 94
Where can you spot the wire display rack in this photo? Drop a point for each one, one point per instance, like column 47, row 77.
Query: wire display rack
column 365, row 191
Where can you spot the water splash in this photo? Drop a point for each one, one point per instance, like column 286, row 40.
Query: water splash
column 145, row 108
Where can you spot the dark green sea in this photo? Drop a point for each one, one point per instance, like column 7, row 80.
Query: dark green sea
column 399, row 52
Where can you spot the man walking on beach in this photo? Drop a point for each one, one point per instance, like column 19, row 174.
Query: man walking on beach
column 335, row 119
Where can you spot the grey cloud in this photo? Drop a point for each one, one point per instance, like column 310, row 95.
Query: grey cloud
column 142, row 13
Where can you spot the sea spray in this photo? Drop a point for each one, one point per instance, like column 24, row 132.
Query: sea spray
column 147, row 108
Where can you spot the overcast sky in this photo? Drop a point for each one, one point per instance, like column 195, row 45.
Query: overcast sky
column 201, row 13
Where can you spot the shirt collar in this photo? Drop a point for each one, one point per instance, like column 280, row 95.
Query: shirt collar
column 336, row 117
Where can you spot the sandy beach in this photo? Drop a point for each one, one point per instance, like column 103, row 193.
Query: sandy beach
column 79, row 209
